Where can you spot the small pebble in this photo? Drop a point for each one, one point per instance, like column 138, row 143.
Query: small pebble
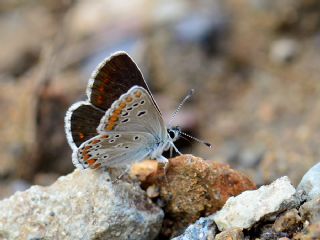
column 153, row 191
column 284, row 51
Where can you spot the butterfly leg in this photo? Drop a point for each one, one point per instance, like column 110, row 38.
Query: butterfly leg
column 164, row 161
column 176, row 149
column 171, row 151
column 122, row 174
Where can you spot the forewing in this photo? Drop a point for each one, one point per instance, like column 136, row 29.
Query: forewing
column 114, row 149
column 134, row 111
column 112, row 78
column 81, row 123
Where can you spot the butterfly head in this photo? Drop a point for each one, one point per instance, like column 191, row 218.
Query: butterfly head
column 174, row 133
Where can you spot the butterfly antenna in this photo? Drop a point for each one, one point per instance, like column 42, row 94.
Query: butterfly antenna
column 196, row 139
column 190, row 93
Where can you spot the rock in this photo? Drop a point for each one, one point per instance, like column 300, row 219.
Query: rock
column 266, row 232
column 284, row 51
column 231, row 234
column 142, row 170
column 203, row 229
column 82, row 205
column 288, row 221
column 193, row 188
column 310, row 211
column 310, row 182
column 311, row 233
column 249, row 207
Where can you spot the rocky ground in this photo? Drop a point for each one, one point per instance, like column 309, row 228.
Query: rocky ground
column 193, row 200
column 254, row 66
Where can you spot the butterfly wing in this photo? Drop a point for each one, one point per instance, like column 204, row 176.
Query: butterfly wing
column 113, row 149
column 81, row 121
column 113, row 77
column 134, row 111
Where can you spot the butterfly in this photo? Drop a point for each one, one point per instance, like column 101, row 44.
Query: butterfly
column 120, row 122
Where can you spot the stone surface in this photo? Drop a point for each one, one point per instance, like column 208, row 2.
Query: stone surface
column 284, row 50
column 192, row 188
column 310, row 211
column 82, row 205
column 288, row 221
column 231, row 234
column 249, row 207
column 312, row 232
column 203, row 229
column 266, row 232
column 310, row 182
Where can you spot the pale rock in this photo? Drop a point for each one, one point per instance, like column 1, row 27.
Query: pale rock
column 310, row 183
column 249, row 207
column 310, row 211
column 203, row 229
column 284, row 50
column 82, row 205
column 231, row 234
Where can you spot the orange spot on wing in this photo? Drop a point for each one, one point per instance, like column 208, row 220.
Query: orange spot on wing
column 86, row 157
column 101, row 89
column 117, row 111
column 129, row 99
column 122, row 105
column 137, row 94
column 81, row 136
column 95, row 141
column 100, row 99
column 113, row 118
column 91, row 161
column 86, row 149
column 97, row 166
column 111, row 126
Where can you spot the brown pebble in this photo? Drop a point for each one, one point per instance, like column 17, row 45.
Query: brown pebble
column 230, row 234
column 192, row 188
column 288, row 221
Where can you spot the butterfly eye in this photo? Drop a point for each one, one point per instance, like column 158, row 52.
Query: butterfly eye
column 171, row 134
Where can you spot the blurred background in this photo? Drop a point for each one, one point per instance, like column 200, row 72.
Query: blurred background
column 253, row 63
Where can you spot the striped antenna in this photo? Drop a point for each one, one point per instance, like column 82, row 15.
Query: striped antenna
column 196, row 139
column 190, row 93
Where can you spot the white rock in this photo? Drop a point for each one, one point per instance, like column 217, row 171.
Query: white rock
column 203, row 229
column 284, row 50
column 310, row 182
column 310, row 211
column 82, row 205
column 249, row 207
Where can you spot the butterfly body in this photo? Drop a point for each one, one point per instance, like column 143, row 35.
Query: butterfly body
column 120, row 122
